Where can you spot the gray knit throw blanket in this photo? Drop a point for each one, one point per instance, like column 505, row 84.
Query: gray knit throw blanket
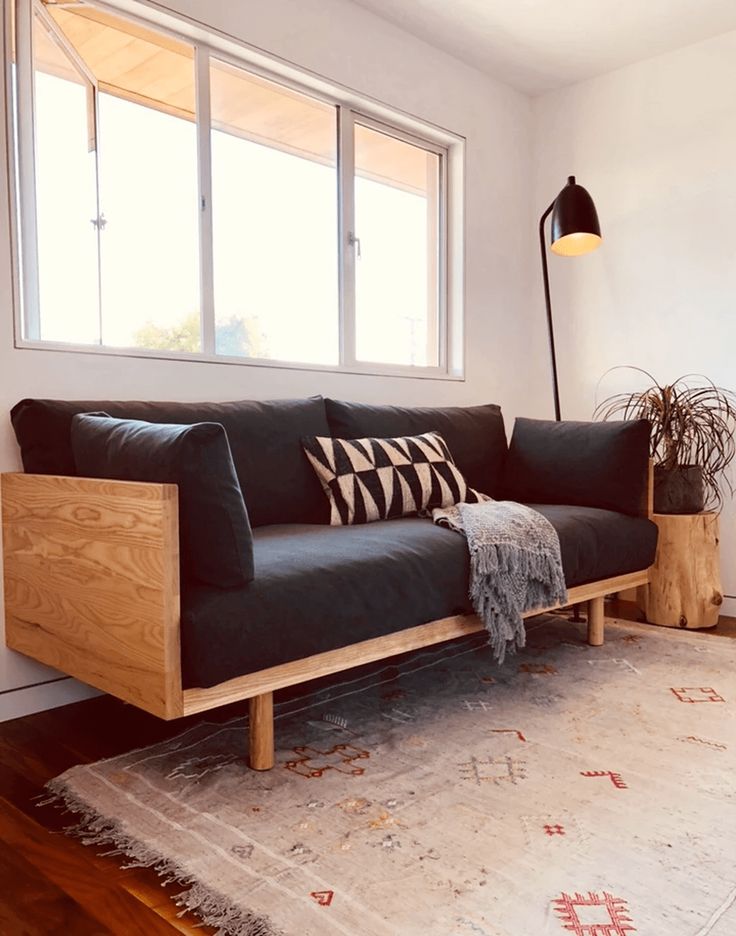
column 515, row 566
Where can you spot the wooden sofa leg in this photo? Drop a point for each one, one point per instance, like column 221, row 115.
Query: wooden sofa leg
column 596, row 622
column 260, row 731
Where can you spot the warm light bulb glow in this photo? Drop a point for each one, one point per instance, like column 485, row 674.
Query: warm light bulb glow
column 573, row 245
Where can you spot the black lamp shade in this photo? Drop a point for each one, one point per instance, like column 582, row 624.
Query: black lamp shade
column 575, row 226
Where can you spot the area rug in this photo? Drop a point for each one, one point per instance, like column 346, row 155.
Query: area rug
column 573, row 790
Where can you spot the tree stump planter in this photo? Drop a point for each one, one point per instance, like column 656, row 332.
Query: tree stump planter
column 685, row 585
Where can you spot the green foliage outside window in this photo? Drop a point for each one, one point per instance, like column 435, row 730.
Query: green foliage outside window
column 236, row 337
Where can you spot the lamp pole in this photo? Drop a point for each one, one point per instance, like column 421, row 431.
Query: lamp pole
column 548, row 301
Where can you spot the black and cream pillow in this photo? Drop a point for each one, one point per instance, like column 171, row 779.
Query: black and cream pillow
column 376, row 479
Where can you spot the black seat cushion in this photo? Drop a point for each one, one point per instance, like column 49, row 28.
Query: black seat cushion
column 598, row 544
column 321, row 587
column 594, row 464
column 475, row 435
column 277, row 481
column 215, row 535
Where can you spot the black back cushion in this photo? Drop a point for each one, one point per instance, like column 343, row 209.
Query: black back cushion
column 475, row 435
column 586, row 464
column 214, row 532
column 277, row 482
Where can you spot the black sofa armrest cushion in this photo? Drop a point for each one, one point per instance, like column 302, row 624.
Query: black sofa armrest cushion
column 588, row 464
column 475, row 435
column 215, row 536
column 276, row 479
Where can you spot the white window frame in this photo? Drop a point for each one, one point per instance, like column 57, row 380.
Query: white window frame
column 350, row 108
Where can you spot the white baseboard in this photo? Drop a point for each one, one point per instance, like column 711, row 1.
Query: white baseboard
column 29, row 699
column 729, row 605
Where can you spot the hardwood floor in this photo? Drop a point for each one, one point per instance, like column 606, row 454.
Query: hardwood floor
column 54, row 885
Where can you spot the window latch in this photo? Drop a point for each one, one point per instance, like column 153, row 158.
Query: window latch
column 354, row 242
column 99, row 223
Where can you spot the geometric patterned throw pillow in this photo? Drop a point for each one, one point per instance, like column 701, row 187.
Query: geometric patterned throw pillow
column 376, row 479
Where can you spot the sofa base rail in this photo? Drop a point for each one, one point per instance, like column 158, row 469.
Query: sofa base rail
column 259, row 687
column 91, row 573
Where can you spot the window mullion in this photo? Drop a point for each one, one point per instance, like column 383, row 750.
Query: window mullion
column 346, row 234
column 99, row 210
column 27, row 170
column 204, row 159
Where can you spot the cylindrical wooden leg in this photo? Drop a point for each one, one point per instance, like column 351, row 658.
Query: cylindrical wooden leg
column 596, row 622
column 261, row 731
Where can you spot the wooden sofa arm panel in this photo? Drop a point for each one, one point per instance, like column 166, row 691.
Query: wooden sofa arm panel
column 646, row 507
column 91, row 571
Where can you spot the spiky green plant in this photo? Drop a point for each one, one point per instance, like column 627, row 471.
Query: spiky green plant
column 693, row 423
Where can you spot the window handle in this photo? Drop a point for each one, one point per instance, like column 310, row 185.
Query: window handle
column 100, row 222
column 354, row 242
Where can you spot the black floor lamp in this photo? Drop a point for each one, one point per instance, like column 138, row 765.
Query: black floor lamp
column 575, row 231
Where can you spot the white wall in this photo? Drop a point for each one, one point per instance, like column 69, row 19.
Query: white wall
column 347, row 44
column 655, row 144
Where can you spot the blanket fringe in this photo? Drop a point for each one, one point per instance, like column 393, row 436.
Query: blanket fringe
column 532, row 578
column 209, row 906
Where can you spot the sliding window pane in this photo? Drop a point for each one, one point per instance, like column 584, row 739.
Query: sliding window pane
column 66, row 196
column 149, row 196
column 148, row 192
column 274, row 211
column 150, row 236
column 397, row 192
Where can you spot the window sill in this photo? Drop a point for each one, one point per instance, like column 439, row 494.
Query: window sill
column 368, row 370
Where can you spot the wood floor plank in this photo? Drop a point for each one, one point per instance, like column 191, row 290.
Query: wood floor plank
column 31, row 905
column 141, row 883
column 69, row 868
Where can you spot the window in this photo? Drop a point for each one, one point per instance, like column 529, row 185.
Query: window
column 176, row 198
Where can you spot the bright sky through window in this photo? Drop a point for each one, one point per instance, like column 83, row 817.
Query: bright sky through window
column 119, row 232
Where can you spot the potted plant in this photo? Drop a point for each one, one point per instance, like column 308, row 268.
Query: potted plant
column 693, row 423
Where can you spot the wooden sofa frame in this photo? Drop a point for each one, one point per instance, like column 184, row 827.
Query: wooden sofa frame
column 91, row 573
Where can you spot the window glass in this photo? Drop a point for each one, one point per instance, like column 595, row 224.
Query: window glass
column 148, row 221
column 66, row 195
column 150, row 238
column 397, row 225
column 274, row 211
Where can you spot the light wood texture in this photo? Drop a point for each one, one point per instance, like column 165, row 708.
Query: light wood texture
column 91, row 571
column 647, row 509
column 685, row 585
column 367, row 651
column 260, row 731
column 607, row 586
column 596, row 622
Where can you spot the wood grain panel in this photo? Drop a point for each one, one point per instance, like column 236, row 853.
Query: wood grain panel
column 92, row 583
column 646, row 507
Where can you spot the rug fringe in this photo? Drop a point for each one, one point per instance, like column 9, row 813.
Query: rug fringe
column 210, row 907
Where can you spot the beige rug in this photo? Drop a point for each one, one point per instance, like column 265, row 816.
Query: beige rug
column 574, row 790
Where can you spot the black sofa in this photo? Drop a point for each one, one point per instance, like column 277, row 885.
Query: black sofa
column 318, row 588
